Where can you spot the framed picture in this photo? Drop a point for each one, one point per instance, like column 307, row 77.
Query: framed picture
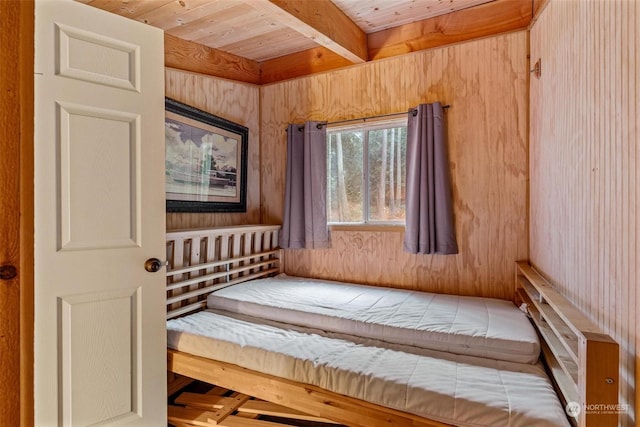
column 206, row 161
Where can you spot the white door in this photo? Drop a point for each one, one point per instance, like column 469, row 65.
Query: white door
column 100, row 355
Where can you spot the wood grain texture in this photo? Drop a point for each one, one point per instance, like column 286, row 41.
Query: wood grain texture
column 299, row 396
column 584, row 161
column 233, row 101
column 16, row 211
column 194, row 57
column 481, row 21
column 323, row 22
column 485, row 83
column 377, row 15
column 300, row 64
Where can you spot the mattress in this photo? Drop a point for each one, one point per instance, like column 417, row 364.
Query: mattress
column 461, row 390
column 473, row 326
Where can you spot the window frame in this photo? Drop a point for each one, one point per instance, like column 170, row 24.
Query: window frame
column 367, row 126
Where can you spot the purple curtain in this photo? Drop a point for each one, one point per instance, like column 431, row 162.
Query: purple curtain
column 305, row 208
column 429, row 224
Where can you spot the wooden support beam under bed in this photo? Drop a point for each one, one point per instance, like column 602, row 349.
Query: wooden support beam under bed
column 302, row 397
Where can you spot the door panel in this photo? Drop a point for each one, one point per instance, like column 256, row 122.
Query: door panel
column 100, row 335
column 100, row 327
column 107, row 162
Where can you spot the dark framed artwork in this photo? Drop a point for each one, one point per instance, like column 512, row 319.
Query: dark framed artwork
column 206, row 161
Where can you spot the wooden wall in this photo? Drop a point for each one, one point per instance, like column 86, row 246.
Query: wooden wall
column 485, row 82
column 238, row 102
column 584, row 161
column 16, row 211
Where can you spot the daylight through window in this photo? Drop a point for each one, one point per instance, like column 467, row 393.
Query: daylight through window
column 366, row 173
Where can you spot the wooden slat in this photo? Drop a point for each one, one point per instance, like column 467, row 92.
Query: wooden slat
column 236, row 270
column 234, row 421
column 267, row 408
column 211, row 402
column 305, row 398
column 189, row 56
column 196, row 281
column 565, row 361
column 201, row 304
column 321, row 21
column 230, row 230
column 220, row 263
column 177, row 383
column 196, row 417
column 219, row 408
column 485, row 20
column 578, row 322
column 566, row 336
column 566, row 383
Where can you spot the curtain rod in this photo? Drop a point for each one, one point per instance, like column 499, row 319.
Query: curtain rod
column 415, row 111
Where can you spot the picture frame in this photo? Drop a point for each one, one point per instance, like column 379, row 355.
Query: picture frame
column 205, row 161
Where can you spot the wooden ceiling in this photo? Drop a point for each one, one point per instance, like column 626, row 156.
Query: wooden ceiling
column 264, row 41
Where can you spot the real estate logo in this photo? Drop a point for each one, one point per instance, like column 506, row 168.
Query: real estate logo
column 572, row 409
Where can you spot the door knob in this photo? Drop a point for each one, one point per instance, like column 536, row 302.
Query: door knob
column 153, row 264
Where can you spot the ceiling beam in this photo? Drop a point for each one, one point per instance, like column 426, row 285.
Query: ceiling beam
column 486, row 20
column 497, row 17
column 320, row 20
column 301, row 64
column 194, row 57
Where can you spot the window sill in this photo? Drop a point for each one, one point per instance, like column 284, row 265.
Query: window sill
column 395, row 228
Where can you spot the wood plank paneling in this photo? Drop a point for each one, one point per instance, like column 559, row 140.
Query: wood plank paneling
column 16, row 211
column 233, row 101
column 584, row 160
column 377, row 15
column 481, row 21
column 485, row 82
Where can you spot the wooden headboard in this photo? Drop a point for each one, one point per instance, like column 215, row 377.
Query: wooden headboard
column 202, row 261
column 581, row 359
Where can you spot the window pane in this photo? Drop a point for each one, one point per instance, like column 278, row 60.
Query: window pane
column 344, row 176
column 387, row 152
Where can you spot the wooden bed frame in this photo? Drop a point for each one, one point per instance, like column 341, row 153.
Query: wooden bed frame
column 581, row 360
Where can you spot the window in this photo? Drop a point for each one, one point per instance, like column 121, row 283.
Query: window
column 366, row 173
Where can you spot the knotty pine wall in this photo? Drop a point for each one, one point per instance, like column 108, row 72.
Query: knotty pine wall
column 238, row 102
column 485, row 82
column 584, row 160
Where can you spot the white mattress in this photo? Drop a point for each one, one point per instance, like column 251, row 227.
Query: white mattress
column 483, row 327
column 461, row 390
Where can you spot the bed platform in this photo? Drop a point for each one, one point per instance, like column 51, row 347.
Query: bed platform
column 581, row 362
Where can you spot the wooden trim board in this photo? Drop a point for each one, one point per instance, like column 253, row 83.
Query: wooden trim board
column 302, row 397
